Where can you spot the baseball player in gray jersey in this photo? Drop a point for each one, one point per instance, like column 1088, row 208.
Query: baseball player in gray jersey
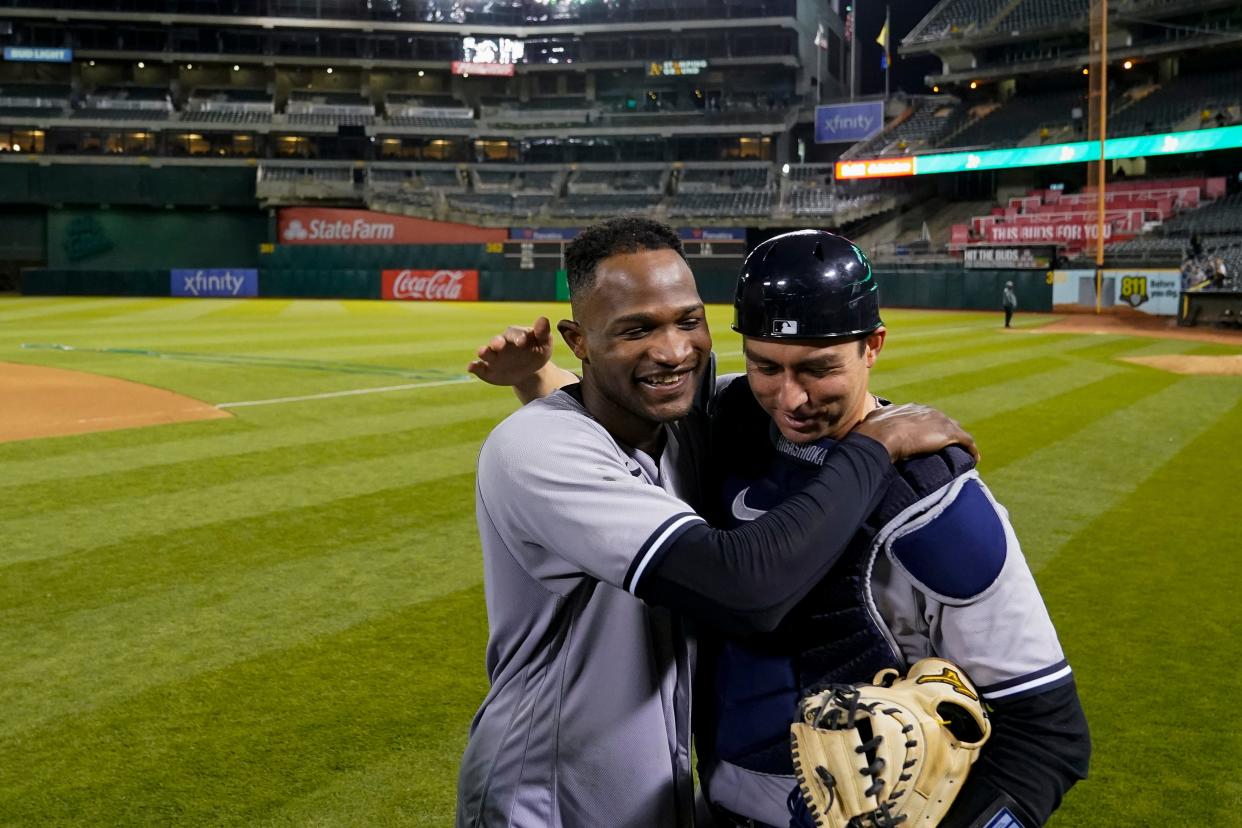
column 589, row 539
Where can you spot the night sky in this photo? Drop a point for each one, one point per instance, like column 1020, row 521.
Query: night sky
column 907, row 74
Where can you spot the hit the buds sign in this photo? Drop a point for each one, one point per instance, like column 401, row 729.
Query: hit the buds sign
column 431, row 285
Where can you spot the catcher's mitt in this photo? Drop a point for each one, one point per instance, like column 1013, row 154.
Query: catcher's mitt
column 890, row 753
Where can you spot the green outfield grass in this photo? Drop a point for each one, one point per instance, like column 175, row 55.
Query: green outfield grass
column 277, row 619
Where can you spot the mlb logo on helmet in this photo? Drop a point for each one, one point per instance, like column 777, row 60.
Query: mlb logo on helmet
column 784, row 326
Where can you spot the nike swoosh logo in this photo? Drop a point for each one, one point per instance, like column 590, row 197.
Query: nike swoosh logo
column 743, row 512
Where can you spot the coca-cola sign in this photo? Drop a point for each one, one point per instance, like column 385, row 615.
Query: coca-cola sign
column 432, row 285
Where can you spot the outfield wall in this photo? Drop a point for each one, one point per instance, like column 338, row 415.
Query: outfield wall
column 353, row 272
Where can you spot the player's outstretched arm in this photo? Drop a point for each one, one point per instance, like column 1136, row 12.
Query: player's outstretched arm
column 747, row 579
column 521, row 357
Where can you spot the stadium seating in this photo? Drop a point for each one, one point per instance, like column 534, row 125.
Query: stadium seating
column 954, row 17
column 1033, row 15
column 720, row 204
column 1019, row 117
column 1180, row 104
column 603, row 205
column 514, row 205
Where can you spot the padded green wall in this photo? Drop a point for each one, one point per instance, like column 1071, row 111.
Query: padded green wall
column 962, row 289
column 139, row 239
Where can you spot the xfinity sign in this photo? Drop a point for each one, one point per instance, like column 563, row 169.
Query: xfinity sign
column 849, row 122
column 216, row 283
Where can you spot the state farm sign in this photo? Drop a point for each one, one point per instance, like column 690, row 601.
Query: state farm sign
column 339, row 225
column 431, row 285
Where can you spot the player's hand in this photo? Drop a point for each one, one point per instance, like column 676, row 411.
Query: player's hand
column 907, row 430
column 514, row 356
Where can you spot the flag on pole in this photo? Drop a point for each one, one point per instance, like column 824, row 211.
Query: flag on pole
column 821, row 37
column 849, row 26
column 883, row 41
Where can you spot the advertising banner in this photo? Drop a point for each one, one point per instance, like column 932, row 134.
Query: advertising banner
column 711, row 233
column 544, row 233
column 322, row 225
column 1063, row 232
column 1019, row 258
column 1149, row 291
column 1146, row 291
column 431, row 285
column 38, row 55
column 886, row 168
column 217, row 282
column 571, row 233
column 504, row 70
column 848, row 122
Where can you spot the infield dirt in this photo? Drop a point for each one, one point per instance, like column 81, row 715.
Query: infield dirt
column 36, row 401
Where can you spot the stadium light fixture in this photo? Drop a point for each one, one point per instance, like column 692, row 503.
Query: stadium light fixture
column 935, row 88
column 189, row 66
column 17, row 148
column 1086, row 70
column 784, row 169
column 141, row 65
column 974, row 84
column 236, row 68
column 421, row 73
column 1129, row 64
column 329, row 70
column 92, row 63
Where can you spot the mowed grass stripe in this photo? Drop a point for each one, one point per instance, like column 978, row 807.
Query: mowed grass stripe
column 1008, row 392
column 114, row 574
column 307, row 435
column 1064, row 485
column 1148, row 615
column 191, row 476
column 236, row 745
column 140, row 635
column 22, row 309
column 59, row 532
column 965, row 363
column 1013, row 435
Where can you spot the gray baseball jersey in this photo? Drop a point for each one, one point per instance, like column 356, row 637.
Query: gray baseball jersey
column 587, row 721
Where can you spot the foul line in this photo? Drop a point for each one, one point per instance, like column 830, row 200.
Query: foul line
column 353, row 393
column 249, row 360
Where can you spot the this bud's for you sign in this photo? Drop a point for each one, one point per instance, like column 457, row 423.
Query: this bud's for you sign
column 432, row 285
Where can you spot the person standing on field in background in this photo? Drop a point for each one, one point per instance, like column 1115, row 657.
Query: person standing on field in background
column 1009, row 300
column 589, row 540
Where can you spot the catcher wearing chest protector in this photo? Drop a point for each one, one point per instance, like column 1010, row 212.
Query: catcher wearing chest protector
column 934, row 586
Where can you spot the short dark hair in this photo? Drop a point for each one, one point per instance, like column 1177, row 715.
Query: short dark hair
column 614, row 237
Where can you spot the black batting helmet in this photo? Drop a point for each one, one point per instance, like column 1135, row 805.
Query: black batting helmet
column 808, row 284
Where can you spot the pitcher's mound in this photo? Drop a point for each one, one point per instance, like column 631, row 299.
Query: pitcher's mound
column 48, row 402
column 1229, row 366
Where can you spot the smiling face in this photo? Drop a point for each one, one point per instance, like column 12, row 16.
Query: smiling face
column 811, row 389
column 642, row 336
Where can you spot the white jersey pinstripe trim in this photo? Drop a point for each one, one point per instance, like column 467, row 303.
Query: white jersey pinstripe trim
column 656, row 545
column 1035, row 682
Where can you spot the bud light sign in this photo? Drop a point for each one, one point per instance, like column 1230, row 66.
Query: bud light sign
column 842, row 123
column 431, row 285
column 220, row 283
